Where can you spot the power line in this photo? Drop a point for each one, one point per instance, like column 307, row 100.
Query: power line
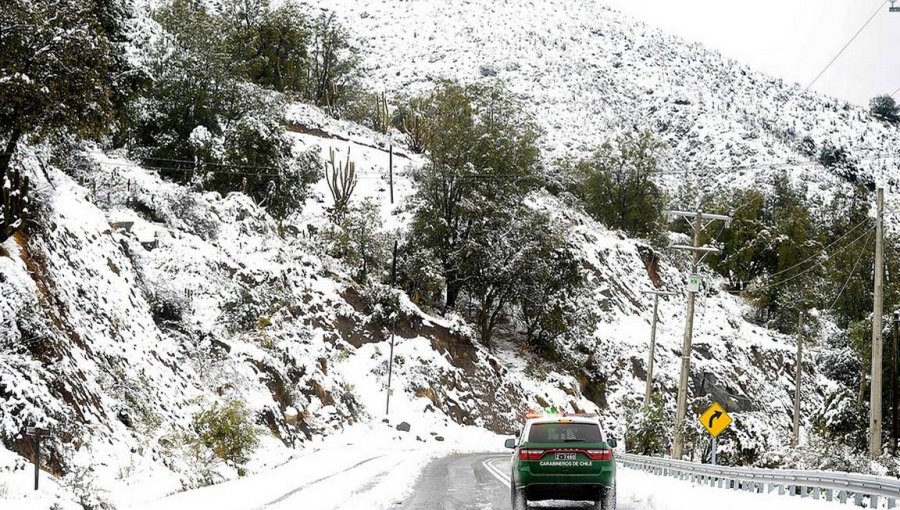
column 880, row 7
column 819, row 264
column 823, row 250
column 852, row 274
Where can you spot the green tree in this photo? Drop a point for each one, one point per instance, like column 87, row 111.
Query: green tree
column 885, row 108
column 549, row 286
column 200, row 123
column 272, row 45
column 194, row 87
column 334, row 65
column 484, row 163
column 55, row 77
column 746, row 244
column 617, row 186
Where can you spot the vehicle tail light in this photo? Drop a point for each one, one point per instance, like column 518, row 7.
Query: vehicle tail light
column 531, row 454
column 602, row 454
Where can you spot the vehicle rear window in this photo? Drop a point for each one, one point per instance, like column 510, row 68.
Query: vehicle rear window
column 564, row 432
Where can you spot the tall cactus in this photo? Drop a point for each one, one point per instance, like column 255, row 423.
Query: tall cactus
column 416, row 134
column 382, row 120
column 341, row 179
column 14, row 197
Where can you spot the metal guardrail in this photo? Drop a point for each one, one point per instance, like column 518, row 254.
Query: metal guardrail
column 862, row 490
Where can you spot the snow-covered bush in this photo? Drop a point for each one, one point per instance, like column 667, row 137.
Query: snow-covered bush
column 357, row 238
column 651, row 434
column 227, row 430
column 885, row 108
column 383, row 305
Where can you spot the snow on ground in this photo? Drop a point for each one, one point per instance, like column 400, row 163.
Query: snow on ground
column 638, row 490
column 373, row 464
column 17, row 487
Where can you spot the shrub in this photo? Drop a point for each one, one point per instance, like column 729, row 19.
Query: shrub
column 651, row 433
column 832, row 156
column 885, row 108
column 383, row 305
column 357, row 239
column 227, row 430
column 418, row 272
column 370, row 110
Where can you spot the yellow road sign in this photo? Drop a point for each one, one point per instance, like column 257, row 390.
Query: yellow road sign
column 715, row 420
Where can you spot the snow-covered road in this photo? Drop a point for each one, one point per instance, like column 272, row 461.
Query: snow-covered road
column 376, row 468
column 482, row 482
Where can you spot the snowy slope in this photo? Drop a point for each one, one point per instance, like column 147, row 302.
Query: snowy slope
column 590, row 72
column 135, row 302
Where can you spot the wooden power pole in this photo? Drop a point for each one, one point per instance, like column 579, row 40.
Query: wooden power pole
column 656, row 294
column 798, row 377
column 875, row 395
column 895, row 368
column 699, row 253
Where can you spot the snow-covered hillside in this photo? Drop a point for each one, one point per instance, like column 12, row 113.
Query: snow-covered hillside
column 590, row 72
column 134, row 302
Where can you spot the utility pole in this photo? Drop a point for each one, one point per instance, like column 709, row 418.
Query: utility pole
column 895, row 426
column 656, row 294
column 875, row 396
column 391, row 171
column 387, row 404
column 699, row 253
column 795, row 438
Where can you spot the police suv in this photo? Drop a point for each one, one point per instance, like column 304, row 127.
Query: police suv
column 563, row 458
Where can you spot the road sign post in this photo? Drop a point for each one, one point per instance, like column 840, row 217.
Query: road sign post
column 715, row 420
column 37, row 433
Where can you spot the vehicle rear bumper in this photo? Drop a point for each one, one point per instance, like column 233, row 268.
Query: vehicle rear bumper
column 565, row 492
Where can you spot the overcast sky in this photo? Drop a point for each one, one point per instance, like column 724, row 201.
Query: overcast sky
column 792, row 39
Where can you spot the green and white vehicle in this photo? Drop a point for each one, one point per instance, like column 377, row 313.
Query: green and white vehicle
column 566, row 458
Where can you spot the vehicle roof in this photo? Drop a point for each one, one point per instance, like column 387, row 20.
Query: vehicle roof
column 564, row 419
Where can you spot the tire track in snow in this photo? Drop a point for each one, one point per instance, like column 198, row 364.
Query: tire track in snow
column 319, row 480
column 491, row 466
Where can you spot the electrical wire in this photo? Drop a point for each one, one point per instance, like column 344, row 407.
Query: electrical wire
column 852, row 274
column 808, row 270
column 823, row 250
column 866, row 24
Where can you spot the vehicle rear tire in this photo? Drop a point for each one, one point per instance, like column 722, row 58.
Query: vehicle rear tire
column 607, row 499
column 518, row 501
